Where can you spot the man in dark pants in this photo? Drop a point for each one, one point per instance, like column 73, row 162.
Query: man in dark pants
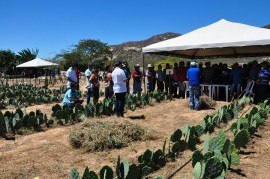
column 119, row 87
column 263, row 83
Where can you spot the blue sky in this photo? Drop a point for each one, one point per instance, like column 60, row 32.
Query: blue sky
column 55, row 25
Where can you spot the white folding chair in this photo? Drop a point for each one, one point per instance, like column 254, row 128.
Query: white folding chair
column 248, row 90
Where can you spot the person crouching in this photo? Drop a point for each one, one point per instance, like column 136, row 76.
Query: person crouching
column 71, row 97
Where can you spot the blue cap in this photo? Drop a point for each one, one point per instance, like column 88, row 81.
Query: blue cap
column 117, row 63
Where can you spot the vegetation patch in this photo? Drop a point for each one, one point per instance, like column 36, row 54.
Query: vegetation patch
column 103, row 135
column 206, row 102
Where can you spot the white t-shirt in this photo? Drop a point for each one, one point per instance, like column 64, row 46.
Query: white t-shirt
column 118, row 77
column 87, row 74
column 72, row 75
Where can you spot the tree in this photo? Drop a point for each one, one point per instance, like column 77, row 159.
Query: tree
column 7, row 61
column 86, row 51
column 26, row 55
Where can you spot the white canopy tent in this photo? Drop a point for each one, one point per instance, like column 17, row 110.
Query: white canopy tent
column 37, row 62
column 220, row 39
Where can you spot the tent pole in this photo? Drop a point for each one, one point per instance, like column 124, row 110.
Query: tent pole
column 143, row 74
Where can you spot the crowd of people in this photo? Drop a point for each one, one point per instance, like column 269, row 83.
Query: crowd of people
column 170, row 79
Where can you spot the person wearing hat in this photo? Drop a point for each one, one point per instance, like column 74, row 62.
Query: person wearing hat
column 137, row 77
column 71, row 75
column 193, row 76
column 71, row 97
column 119, row 87
column 150, row 78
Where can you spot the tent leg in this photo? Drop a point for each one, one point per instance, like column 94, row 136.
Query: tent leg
column 143, row 75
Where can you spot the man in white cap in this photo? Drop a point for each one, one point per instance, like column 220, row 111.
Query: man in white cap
column 193, row 76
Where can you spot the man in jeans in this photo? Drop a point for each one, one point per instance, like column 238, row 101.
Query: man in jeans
column 119, row 87
column 193, row 76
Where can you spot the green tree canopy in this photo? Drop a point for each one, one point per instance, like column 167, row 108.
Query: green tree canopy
column 84, row 52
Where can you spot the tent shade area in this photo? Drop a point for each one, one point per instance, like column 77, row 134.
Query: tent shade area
column 220, row 39
column 37, row 62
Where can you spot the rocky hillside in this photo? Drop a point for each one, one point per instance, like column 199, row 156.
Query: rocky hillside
column 131, row 51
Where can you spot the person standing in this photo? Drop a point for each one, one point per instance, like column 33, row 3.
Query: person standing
column 71, row 75
column 263, row 83
column 137, row 76
column 119, row 87
column 182, row 78
column 108, row 84
column 150, row 76
column 94, row 85
column 78, row 75
column 127, row 73
column 193, row 76
column 88, row 74
column 237, row 78
column 160, row 79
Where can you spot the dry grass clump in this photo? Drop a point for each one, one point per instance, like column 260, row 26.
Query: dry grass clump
column 102, row 135
column 205, row 102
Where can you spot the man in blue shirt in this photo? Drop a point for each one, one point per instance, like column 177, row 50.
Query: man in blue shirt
column 193, row 76
column 71, row 97
column 237, row 78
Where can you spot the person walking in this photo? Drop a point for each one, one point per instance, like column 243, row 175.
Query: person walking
column 71, row 75
column 88, row 73
column 193, row 76
column 120, row 88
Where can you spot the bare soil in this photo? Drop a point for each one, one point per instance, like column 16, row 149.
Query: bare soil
column 48, row 154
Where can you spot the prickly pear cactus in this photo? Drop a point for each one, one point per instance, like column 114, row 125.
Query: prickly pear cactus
column 213, row 167
column 176, row 136
column 241, row 138
column 197, row 156
column 197, row 171
column 106, row 172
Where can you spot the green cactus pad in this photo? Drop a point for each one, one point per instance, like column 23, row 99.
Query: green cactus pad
column 213, row 167
column 241, row 138
column 197, row 156
column 176, row 136
column 106, row 172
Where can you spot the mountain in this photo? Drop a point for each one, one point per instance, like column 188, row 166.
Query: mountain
column 267, row 26
column 131, row 51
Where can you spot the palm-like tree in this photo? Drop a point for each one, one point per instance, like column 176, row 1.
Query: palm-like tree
column 26, row 55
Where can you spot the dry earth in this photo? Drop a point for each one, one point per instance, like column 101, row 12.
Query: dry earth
column 49, row 155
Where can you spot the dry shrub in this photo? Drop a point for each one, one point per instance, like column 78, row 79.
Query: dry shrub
column 102, row 135
column 206, row 102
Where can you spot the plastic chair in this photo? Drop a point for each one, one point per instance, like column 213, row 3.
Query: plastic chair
column 186, row 85
column 248, row 90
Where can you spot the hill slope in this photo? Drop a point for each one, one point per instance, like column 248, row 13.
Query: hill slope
column 131, row 51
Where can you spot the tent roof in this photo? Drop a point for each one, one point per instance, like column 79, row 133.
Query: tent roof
column 37, row 62
column 222, row 38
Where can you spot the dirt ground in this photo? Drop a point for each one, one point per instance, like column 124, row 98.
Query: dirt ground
column 49, row 155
